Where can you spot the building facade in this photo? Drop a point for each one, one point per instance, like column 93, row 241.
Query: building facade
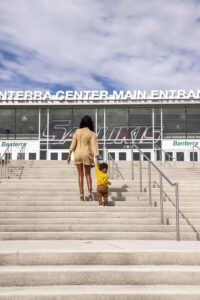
column 46, row 129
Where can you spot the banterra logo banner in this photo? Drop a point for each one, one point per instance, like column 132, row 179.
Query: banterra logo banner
column 185, row 143
column 13, row 144
column 180, row 144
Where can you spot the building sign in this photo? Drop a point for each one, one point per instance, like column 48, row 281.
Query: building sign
column 60, row 132
column 16, row 146
column 97, row 97
column 13, row 144
column 180, row 144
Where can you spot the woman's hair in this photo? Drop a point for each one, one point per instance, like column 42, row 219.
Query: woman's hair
column 87, row 122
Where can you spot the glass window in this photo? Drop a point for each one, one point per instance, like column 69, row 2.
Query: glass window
column 140, row 123
column 27, row 123
column 180, row 156
column 7, row 123
column 140, row 116
column 100, row 123
column 60, row 128
column 64, row 156
column 122, row 155
column 193, row 156
column 148, row 154
column 117, row 124
column 60, row 124
column 174, row 122
column 157, row 117
column 43, row 155
column 54, row 156
column 32, row 156
column 157, row 126
column 112, row 154
column 169, row 156
column 79, row 113
column 193, row 122
column 43, row 123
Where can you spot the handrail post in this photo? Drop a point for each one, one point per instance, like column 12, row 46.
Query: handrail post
column 150, row 191
column 177, row 213
column 1, row 166
column 117, row 171
column 112, row 169
column 140, row 172
column 161, row 200
column 5, row 166
column 11, row 156
column 108, row 166
column 132, row 163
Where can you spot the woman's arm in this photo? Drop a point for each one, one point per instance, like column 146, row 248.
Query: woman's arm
column 95, row 148
column 69, row 157
column 72, row 147
column 97, row 160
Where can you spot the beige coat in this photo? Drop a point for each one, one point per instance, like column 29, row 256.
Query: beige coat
column 85, row 146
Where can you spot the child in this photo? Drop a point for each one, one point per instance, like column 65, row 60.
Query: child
column 102, row 183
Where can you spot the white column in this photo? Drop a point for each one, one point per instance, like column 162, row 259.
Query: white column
column 96, row 121
column 104, row 135
column 153, row 131
column 48, row 134
column 39, row 126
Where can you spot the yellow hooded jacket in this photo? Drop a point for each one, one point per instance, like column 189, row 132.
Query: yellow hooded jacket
column 102, row 178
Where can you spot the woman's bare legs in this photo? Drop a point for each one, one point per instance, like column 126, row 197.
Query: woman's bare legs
column 88, row 178
column 80, row 178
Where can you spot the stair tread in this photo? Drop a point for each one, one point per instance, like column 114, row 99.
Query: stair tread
column 107, row 268
column 101, row 290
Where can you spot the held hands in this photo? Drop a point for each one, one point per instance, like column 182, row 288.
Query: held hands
column 97, row 161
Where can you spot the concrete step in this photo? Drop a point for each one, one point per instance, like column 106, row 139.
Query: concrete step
column 93, row 228
column 99, row 275
column 70, row 202
column 96, row 252
column 56, row 193
column 88, row 208
column 96, row 236
column 101, row 212
column 99, row 292
column 127, row 221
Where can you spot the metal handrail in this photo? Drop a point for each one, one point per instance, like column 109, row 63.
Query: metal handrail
column 193, row 154
column 166, row 153
column 5, row 160
column 161, row 175
column 21, row 156
column 108, row 157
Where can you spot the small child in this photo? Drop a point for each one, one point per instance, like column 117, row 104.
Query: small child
column 102, row 183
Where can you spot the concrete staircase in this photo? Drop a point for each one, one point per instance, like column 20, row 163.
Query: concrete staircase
column 52, row 246
column 44, row 204
column 96, row 270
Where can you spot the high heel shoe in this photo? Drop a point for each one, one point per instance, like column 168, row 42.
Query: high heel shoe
column 90, row 197
column 81, row 198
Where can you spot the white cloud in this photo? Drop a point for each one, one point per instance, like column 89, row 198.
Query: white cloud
column 133, row 44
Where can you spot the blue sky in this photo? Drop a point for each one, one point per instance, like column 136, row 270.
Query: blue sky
column 99, row 44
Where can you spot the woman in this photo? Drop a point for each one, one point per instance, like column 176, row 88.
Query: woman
column 85, row 147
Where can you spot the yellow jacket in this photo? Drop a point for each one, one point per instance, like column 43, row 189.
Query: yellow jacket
column 102, row 178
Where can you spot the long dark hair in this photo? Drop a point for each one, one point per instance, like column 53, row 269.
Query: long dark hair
column 87, row 122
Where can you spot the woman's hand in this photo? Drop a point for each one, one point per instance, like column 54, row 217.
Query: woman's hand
column 97, row 161
column 69, row 159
